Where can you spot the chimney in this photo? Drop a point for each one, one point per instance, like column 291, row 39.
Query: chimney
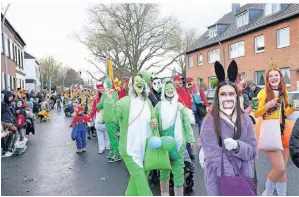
column 235, row 8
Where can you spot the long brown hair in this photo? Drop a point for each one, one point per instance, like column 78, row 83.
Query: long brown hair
column 282, row 87
column 216, row 111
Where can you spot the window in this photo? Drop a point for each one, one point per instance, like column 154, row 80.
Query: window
column 213, row 56
column 11, row 49
column 19, row 58
column 16, row 53
column 212, row 82
column 286, row 76
column 260, row 78
column 199, row 59
column 283, row 37
column 6, row 45
column 236, row 50
column 242, row 19
column 259, row 43
column 213, row 31
column 271, row 8
column 190, row 61
column 8, row 48
column 22, row 60
column 200, row 82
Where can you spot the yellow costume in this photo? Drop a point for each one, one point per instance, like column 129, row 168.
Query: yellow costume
column 275, row 115
column 45, row 114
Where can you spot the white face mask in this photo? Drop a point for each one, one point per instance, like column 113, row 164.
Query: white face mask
column 19, row 104
column 157, row 85
column 227, row 104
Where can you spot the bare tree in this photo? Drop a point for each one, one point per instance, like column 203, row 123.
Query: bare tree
column 48, row 68
column 184, row 41
column 133, row 36
column 63, row 71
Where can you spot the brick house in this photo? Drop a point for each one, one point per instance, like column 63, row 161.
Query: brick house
column 252, row 35
column 14, row 45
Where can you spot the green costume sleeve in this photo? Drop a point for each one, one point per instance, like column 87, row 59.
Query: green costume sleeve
column 112, row 111
column 153, row 113
column 100, row 105
column 187, row 126
column 157, row 113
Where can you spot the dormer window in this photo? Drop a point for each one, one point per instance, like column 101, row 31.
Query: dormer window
column 213, row 31
column 242, row 19
column 271, row 8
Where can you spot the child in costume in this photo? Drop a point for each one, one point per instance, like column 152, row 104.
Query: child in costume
column 81, row 139
column 112, row 127
column 136, row 116
column 227, row 133
column 173, row 121
column 45, row 108
column 273, row 101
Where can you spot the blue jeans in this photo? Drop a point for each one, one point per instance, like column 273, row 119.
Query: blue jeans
column 81, row 140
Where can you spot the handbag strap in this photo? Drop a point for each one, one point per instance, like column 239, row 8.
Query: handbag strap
column 282, row 114
column 137, row 115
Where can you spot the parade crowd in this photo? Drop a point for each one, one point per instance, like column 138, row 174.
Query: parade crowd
column 148, row 123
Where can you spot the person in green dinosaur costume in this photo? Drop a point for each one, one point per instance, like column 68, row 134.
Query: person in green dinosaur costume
column 111, row 127
column 173, row 121
column 137, row 118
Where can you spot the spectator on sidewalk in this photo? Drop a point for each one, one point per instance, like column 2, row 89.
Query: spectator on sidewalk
column 8, row 116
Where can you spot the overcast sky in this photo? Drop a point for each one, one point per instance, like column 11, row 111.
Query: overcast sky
column 46, row 27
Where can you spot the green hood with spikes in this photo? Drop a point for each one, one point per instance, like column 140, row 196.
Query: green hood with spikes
column 146, row 76
column 108, row 82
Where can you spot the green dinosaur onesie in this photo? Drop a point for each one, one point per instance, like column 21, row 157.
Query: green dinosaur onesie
column 134, row 114
column 111, row 127
column 173, row 121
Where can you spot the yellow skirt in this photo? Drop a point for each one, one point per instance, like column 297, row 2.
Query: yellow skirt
column 285, row 138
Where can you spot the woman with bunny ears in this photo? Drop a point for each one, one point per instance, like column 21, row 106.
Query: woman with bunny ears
column 227, row 134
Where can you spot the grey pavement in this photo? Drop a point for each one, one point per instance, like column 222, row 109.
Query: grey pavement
column 50, row 166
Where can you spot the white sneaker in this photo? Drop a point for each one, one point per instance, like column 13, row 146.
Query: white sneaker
column 107, row 148
column 101, row 151
column 266, row 194
column 8, row 154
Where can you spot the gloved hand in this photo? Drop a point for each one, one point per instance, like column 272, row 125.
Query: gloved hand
column 230, row 144
column 201, row 157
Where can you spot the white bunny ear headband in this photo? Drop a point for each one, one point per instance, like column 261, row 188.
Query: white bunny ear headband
column 232, row 71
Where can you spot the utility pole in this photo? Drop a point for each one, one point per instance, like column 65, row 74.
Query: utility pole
column 4, row 51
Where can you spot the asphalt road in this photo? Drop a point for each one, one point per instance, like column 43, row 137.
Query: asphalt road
column 50, row 166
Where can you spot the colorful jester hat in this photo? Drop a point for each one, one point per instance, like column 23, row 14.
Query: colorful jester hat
column 107, row 83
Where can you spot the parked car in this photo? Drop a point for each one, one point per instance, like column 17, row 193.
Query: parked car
column 210, row 94
column 294, row 97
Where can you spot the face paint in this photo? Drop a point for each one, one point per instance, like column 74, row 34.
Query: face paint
column 157, row 85
column 169, row 90
column 138, row 85
column 227, row 104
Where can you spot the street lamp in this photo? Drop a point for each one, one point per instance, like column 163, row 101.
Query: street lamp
column 4, row 51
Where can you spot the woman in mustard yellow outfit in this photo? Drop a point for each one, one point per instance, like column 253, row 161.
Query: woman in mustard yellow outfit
column 270, row 101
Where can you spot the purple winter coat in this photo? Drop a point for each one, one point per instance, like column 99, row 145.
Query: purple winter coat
column 213, row 152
